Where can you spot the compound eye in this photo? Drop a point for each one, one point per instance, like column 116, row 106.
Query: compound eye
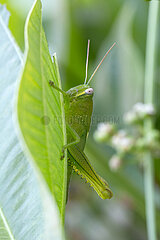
column 89, row 91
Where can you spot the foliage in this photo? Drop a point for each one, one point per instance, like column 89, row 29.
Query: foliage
column 40, row 110
column 24, row 196
column 117, row 86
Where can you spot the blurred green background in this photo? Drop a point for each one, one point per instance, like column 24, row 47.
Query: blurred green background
column 117, row 85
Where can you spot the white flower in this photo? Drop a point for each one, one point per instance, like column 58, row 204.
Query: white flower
column 115, row 163
column 143, row 109
column 139, row 112
column 122, row 142
column 149, row 109
column 104, row 131
column 139, row 107
column 130, row 117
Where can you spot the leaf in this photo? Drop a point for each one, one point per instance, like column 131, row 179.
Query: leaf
column 24, row 214
column 40, row 108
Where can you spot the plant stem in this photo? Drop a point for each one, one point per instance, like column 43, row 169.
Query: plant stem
column 148, row 98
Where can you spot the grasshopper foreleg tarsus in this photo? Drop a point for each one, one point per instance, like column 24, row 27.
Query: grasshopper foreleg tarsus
column 51, row 83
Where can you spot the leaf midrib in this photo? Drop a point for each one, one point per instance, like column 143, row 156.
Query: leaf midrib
column 6, row 224
column 44, row 110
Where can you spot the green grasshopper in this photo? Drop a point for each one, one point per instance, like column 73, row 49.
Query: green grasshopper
column 78, row 106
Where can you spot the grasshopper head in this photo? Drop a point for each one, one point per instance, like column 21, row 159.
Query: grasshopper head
column 84, row 91
column 80, row 92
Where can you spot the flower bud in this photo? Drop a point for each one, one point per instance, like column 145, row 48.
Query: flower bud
column 130, row 117
column 138, row 113
column 122, row 142
column 142, row 110
column 115, row 163
column 149, row 109
column 104, row 132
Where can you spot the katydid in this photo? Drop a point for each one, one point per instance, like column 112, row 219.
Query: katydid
column 78, row 106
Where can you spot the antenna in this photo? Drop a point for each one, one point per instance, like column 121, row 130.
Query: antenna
column 87, row 62
column 101, row 62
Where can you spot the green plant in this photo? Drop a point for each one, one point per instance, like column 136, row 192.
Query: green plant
column 27, row 209
column 143, row 139
column 33, row 179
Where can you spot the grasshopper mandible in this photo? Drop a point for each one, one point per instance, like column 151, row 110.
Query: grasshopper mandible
column 78, row 106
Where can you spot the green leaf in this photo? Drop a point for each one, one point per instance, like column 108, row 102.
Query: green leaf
column 40, row 108
column 24, row 213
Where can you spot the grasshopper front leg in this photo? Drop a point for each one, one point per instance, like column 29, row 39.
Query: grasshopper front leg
column 69, row 128
column 74, row 135
column 51, row 83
